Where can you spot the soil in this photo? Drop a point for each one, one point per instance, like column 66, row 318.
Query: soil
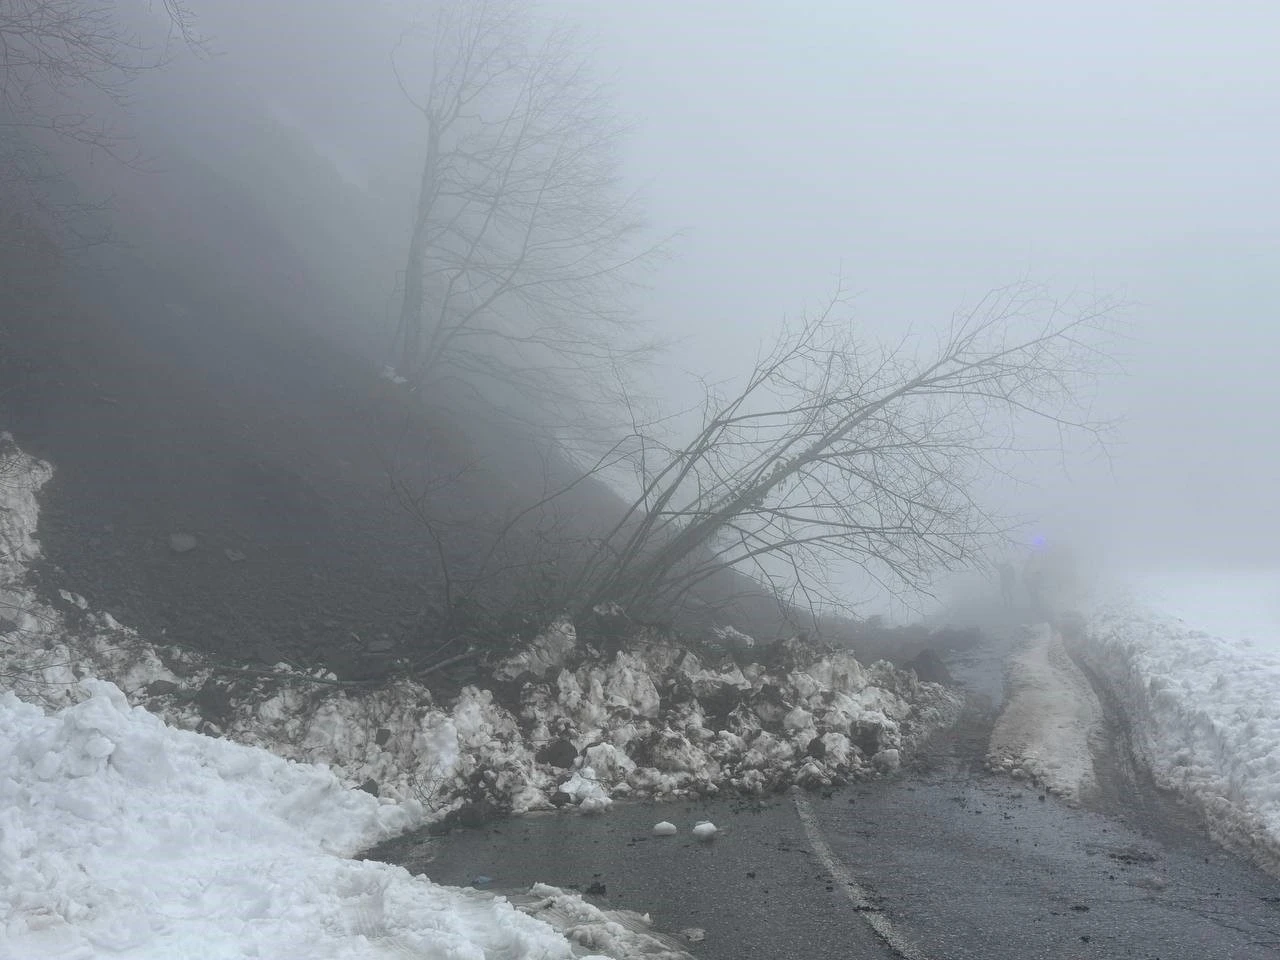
column 223, row 473
column 221, row 476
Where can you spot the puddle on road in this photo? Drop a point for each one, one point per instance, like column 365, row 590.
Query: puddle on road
column 756, row 883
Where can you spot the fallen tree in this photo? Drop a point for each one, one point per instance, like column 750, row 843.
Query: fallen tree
column 838, row 451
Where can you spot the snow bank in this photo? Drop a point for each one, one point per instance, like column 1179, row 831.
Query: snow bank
column 1205, row 713
column 582, row 727
column 1050, row 716
column 121, row 836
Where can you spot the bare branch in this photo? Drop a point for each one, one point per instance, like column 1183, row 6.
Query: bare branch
column 837, row 452
column 524, row 249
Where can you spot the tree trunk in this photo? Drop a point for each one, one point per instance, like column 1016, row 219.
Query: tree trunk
column 409, row 333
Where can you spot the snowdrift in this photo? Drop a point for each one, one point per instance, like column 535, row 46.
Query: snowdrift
column 1205, row 714
column 121, row 836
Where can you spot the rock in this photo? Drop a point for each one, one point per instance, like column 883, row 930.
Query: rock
column 866, row 735
column 161, row 688
column 370, row 786
column 182, row 542
column 558, row 753
column 929, row 667
column 214, row 701
column 817, row 749
column 560, row 798
column 382, row 736
column 664, row 828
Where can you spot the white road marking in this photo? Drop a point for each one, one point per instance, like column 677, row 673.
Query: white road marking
column 880, row 924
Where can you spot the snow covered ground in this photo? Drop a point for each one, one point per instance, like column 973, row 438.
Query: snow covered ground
column 1195, row 661
column 1051, row 718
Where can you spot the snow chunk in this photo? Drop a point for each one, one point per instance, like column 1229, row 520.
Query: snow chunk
column 609, row 762
column 618, row 933
column 664, row 828
column 887, row 760
column 704, row 830
column 734, row 639
column 586, row 790
column 548, row 651
column 389, row 374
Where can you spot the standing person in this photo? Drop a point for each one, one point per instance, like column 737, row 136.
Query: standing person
column 1033, row 579
column 1008, row 583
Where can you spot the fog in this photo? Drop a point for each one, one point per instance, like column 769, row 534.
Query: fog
column 925, row 152
column 932, row 150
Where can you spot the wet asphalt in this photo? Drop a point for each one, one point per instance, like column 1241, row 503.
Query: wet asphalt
column 955, row 862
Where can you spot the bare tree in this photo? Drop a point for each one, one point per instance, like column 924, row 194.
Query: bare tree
column 58, row 58
column 839, row 452
column 522, row 244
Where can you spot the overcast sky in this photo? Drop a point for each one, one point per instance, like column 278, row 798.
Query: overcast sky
column 929, row 151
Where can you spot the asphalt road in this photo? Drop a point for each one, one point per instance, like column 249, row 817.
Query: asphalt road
column 945, row 862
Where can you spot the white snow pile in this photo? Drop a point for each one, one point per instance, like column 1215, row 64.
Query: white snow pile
column 1205, row 713
column 120, row 836
column 1051, row 716
column 657, row 721
column 578, row 727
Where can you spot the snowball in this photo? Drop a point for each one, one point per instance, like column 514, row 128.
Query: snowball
column 664, row 828
column 704, row 830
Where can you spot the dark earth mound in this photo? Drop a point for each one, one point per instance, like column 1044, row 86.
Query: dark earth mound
column 222, row 480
